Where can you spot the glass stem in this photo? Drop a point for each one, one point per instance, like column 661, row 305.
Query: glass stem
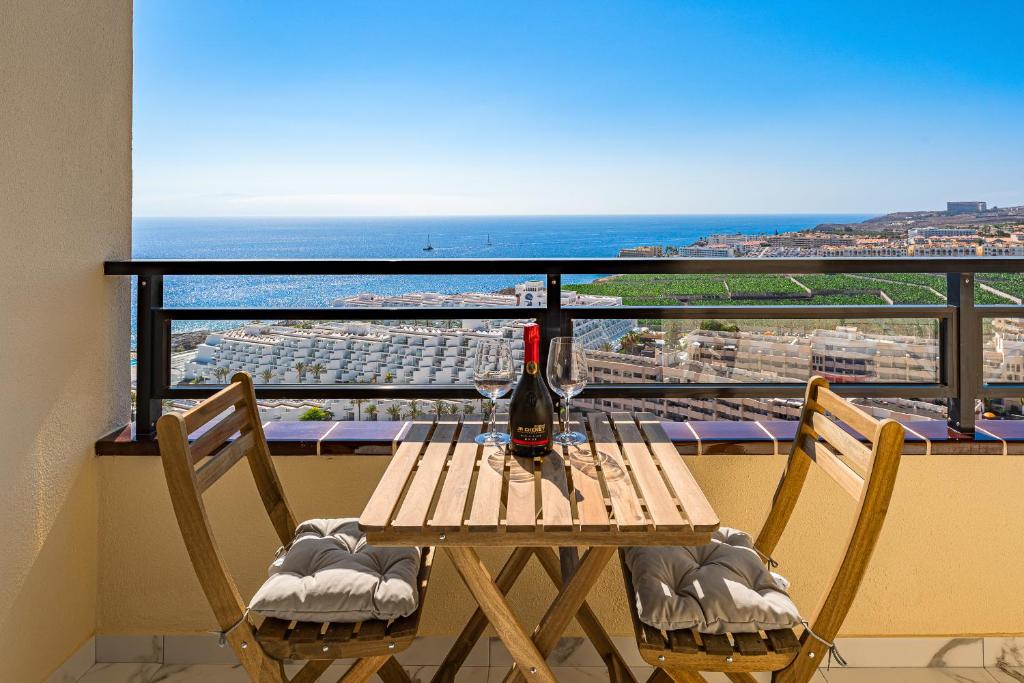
column 494, row 414
column 565, row 415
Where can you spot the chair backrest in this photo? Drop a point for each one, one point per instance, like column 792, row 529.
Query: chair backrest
column 192, row 468
column 867, row 472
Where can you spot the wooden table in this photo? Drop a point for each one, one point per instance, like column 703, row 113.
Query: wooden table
column 627, row 486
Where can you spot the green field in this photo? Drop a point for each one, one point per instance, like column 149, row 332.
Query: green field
column 840, row 290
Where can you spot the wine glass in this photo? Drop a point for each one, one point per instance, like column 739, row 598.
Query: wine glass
column 567, row 375
column 493, row 376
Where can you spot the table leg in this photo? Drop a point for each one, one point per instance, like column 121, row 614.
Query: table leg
column 491, row 600
column 617, row 669
column 569, row 558
column 478, row 622
column 566, row 604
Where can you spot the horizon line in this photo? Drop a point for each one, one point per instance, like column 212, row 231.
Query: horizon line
column 530, row 215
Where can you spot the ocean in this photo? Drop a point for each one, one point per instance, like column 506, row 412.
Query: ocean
column 400, row 237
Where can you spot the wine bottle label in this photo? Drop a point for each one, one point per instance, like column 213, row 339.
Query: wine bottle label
column 535, row 435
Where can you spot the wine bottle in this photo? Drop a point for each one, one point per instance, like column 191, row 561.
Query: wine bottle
column 530, row 411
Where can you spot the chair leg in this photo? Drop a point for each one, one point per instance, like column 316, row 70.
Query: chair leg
column 393, row 672
column 662, row 676
column 311, row 671
column 363, row 668
column 740, row 677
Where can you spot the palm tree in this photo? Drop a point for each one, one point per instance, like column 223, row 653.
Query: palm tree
column 606, row 346
column 414, row 409
column 317, row 369
column 266, row 376
column 630, row 343
column 467, row 408
column 394, row 411
column 300, row 367
column 371, row 411
column 388, row 377
column 221, row 374
column 440, row 408
column 358, row 402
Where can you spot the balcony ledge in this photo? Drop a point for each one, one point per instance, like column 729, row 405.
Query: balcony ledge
column 719, row 437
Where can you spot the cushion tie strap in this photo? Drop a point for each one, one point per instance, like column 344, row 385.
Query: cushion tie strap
column 767, row 559
column 222, row 636
column 833, row 651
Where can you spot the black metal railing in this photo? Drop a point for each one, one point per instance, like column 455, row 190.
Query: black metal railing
column 960, row 363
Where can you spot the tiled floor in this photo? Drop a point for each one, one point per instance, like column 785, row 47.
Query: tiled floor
column 225, row 673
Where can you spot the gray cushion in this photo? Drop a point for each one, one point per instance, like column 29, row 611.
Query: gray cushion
column 721, row 587
column 329, row 574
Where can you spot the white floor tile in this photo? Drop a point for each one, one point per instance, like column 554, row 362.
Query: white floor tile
column 883, row 653
column 120, row 673
column 127, row 648
column 208, row 673
column 907, row 675
column 1007, row 674
column 1004, row 652
column 197, row 649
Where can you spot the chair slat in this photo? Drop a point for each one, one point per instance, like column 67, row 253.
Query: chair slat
column 213, row 406
column 451, row 504
column 843, row 474
column 686, row 489
column 273, row 629
column 783, row 640
column 374, row 629
column 521, row 505
column 715, row 644
column 626, row 506
column 843, row 410
column 377, row 512
column 485, row 510
column 750, row 644
column 236, row 421
column 223, row 460
column 683, row 640
column 338, row 633
column 306, row 632
column 554, row 492
column 842, row 441
column 659, row 500
column 416, row 505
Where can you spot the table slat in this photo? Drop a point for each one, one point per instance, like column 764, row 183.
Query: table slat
column 591, row 510
column 626, row 506
column 556, row 513
column 485, row 510
column 451, row 504
column 659, row 499
column 416, row 505
column 377, row 512
column 687, row 491
column 521, row 505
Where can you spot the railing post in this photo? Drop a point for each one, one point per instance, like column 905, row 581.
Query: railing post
column 965, row 343
column 150, row 295
column 551, row 326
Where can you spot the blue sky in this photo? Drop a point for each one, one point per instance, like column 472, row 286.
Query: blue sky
column 443, row 108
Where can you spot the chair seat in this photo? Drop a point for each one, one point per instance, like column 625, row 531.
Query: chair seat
column 718, row 588
column 328, row 573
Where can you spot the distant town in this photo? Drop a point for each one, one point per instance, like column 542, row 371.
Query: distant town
column 963, row 229
column 424, row 351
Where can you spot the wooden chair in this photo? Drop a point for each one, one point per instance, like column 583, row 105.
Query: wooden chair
column 191, row 469
column 866, row 474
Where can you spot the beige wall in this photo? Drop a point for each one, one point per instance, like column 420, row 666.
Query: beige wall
column 943, row 566
column 65, row 206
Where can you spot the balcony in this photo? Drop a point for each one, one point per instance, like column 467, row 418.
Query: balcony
column 94, row 569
